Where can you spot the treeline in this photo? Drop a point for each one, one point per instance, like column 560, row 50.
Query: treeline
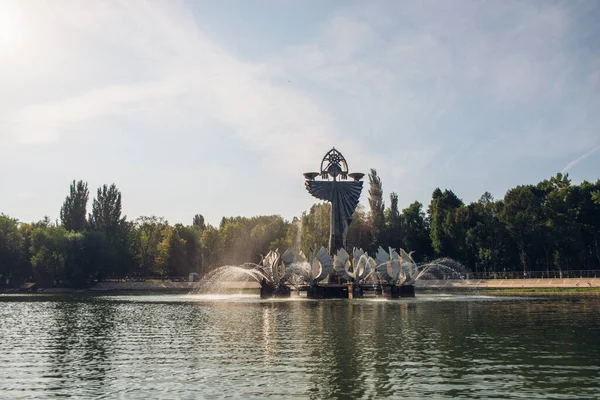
column 553, row 225
column 103, row 244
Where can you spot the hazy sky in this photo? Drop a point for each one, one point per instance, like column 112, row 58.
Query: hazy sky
column 218, row 107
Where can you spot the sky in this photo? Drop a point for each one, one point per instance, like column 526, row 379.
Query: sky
column 219, row 107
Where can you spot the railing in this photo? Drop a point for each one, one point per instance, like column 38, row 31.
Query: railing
column 147, row 279
column 532, row 274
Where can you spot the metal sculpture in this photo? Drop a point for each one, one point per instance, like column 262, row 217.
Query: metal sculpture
column 342, row 195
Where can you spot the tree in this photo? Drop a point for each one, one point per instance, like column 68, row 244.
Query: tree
column 487, row 239
column 415, row 231
column 293, row 236
column 523, row 215
column 212, row 247
column 48, row 249
column 596, row 197
column 237, row 245
column 13, row 256
column 106, row 212
column 199, row 222
column 393, row 223
column 559, row 235
column 164, row 250
column 150, row 234
column 316, row 228
column 186, row 251
column 589, row 221
column 359, row 232
column 106, row 218
column 248, row 239
column 99, row 253
column 74, row 208
column 377, row 206
column 445, row 223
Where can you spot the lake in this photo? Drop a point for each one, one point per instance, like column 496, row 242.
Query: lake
column 238, row 346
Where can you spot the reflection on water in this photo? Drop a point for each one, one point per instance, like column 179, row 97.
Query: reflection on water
column 190, row 346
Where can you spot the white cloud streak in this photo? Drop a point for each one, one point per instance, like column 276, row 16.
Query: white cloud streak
column 579, row 159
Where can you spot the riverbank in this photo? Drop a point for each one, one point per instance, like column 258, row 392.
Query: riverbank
column 496, row 285
column 567, row 283
column 136, row 286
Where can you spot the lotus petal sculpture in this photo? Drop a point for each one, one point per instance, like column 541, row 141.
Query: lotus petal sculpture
column 341, row 264
column 321, row 266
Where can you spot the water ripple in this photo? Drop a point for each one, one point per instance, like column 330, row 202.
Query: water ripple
column 202, row 346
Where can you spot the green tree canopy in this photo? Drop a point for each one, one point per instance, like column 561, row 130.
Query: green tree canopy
column 415, row 232
column 523, row 216
column 74, row 209
column 106, row 211
column 446, row 222
column 199, row 223
column 393, row 223
column 377, row 207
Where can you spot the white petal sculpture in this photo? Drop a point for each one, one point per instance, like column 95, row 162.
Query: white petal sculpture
column 321, row 265
column 388, row 265
column 340, row 266
column 360, row 263
column 409, row 266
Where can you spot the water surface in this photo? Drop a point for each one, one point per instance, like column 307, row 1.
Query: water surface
column 238, row 346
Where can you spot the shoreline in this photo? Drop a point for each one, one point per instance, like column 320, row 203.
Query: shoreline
column 507, row 284
column 496, row 286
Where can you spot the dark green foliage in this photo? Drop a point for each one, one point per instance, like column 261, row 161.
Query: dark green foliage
column 488, row 242
column 359, row 232
column 74, row 208
column 152, row 236
column 212, row 247
column 248, row 239
column 106, row 212
column 447, row 223
column 523, row 216
column 415, row 231
column 315, row 228
column 377, row 207
column 13, row 251
column 393, row 223
column 199, row 222
column 106, row 218
column 186, row 251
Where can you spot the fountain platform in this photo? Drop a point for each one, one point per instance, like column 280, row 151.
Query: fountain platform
column 329, row 291
column 267, row 291
column 339, row 291
column 354, row 291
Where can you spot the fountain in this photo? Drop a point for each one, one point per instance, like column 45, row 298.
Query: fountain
column 345, row 280
column 333, row 273
column 274, row 277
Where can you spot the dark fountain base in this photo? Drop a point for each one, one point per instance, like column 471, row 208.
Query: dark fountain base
column 334, row 291
column 267, row 292
column 337, row 291
column 395, row 292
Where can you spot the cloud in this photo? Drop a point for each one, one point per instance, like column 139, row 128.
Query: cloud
column 579, row 159
column 47, row 122
column 459, row 85
column 430, row 93
column 188, row 69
